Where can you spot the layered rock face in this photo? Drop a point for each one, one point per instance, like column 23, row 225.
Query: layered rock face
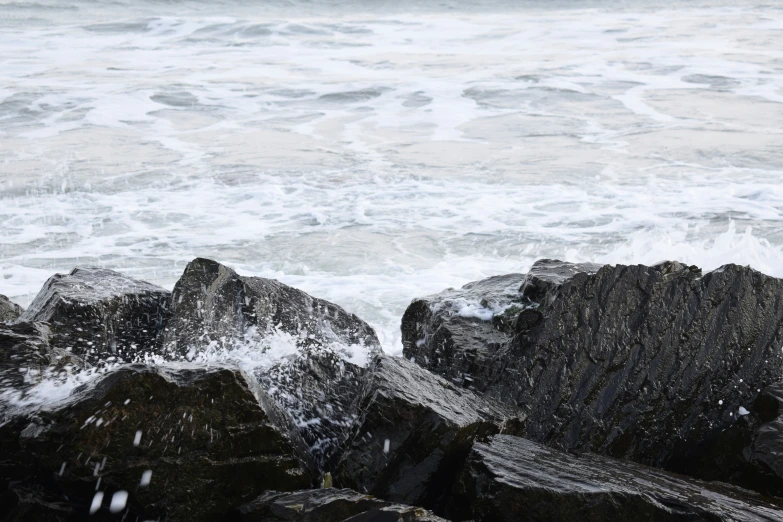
column 100, row 315
column 414, row 432
column 177, row 444
column 509, row 479
column 328, row 505
column 632, row 361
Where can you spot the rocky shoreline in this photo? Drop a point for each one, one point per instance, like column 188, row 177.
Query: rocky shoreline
column 575, row 391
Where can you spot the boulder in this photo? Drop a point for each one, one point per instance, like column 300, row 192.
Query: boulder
column 316, row 350
column 182, row 443
column 9, row 311
column 629, row 361
column 414, row 431
column 214, row 307
column 509, row 479
column 328, row 505
column 101, row 315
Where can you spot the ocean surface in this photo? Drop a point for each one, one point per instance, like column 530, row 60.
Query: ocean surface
column 372, row 152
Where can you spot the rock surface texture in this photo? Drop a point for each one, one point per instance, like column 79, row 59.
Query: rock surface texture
column 9, row 311
column 512, row 479
column 329, row 505
column 185, row 444
column 414, row 433
column 632, row 361
column 100, row 314
column 215, row 307
column 748, row 453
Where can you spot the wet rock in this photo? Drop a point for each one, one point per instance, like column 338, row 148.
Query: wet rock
column 185, row 444
column 630, row 361
column 9, row 311
column 315, row 394
column 748, row 453
column 101, row 315
column 414, row 432
column 321, row 349
column 215, row 307
column 456, row 333
column 510, row 479
column 329, row 505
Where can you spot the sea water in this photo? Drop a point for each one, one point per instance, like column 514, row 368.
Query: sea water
column 372, row 152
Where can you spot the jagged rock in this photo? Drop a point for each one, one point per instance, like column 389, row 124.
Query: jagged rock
column 201, row 433
column 329, row 505
column 101, row 315
column 414, row 433
column 9, row 311
column 509, row 478
column 315, row 394
column 748, row 453
column 214, row 306
column 321, row 348
column 456, row 332
column 630, row 361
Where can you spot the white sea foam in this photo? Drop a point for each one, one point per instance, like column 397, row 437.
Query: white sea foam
column 369, row 154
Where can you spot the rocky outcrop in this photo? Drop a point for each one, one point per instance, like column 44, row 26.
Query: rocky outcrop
column 175, row 444
column 510, row 479
column 414, row 432
column 214, row 307
column 9, row 311
column 328, row 505
column 630, row 361
column 99, row 315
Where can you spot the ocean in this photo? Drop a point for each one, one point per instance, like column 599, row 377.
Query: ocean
column 373, row 152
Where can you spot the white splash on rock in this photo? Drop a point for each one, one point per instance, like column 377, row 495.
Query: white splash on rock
column 118, row 501
column 96, row 502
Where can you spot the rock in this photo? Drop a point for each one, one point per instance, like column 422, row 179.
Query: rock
column 747, row 453
column 414, row 432
column 630, row 361
column 329, row 505
column 198, row 435
column 315, row 394
column 457, row 332
column 316, row 349
column 9, row 311
column 101, row 315
column 215, row 307
column 510, row 479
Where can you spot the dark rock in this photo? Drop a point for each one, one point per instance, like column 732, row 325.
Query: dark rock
column 629, row 361
column 315, row 394
column 748, row 453
column 457, row 332
column 101, row 315
column 209, row 446
column 313, row 389
column 512, row 479
column 329, row 505
column 214, row 306
column 9, row 311
column 414, row 433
